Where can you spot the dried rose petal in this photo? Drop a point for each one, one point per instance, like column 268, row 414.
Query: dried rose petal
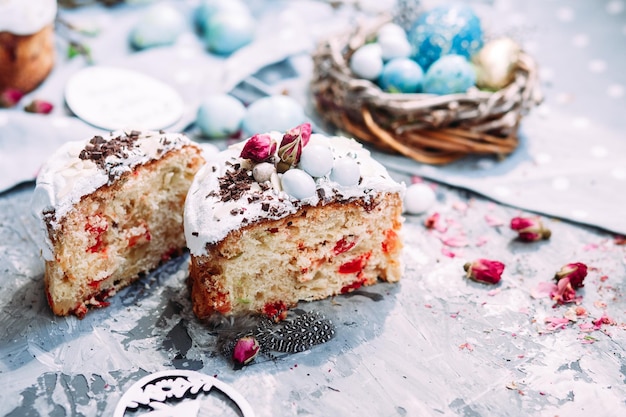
column 245, row 350
column 530, row 229
column 484, row 270
column 575, row 272
column 10, row 97
column 259, row 148
column 39, row 106
column 291, row 146
column 564, row 292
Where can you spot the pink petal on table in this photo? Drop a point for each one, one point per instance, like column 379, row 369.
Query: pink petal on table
column 543, row 289
column 493, row 220
column 455, row 241
column 448, row 253
column 481, row 240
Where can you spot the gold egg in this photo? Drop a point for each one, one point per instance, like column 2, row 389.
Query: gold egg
column 495, row 63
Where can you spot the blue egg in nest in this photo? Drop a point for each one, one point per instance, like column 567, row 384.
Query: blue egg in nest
column 450, row 74
column 445, row 30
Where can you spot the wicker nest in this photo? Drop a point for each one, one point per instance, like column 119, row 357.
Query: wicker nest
column 428, row 128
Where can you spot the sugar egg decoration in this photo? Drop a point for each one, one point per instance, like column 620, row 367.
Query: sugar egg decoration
column 346, row 172
column 367, row 61
column 418, row 198
column 450, row 74
column 271, row 113
column 316, row 160
column 401, row 75
column 298, row 184
column 220, row 116
column 161, row 25
column 444, row 30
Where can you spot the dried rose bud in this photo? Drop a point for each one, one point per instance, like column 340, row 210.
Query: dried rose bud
column 575, row 272
column 10, row 97
column 259, row 148
column 530, row 229
column 39, row 106
column 291, row 146
column 563, row 293
column 245, row 350
column 484, row 270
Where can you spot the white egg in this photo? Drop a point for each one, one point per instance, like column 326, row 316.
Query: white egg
column 316, row 160
column 298, row 184
column 160, row 25
column 220, row 116
column 263, row 172
column 278, row 112
column 418, row 198
column 346, row 172
column 390, row 29
column 367, row 61
column 393, row 46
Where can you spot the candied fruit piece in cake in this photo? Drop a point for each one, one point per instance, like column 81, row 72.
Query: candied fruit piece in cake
column 111, row 210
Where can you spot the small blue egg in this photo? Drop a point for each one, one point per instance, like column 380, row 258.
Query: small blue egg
column 316, row 160
column 220, row 116
column 367, row 61
column 401, row 75
column 450, row 74
column 160, row 25
column 228, row 31
column 209, row 8
column 298, row 184
column 278, row 112
column 346, row 172
column 444, row 30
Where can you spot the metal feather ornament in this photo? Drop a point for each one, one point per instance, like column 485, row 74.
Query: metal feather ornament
column 241, row 338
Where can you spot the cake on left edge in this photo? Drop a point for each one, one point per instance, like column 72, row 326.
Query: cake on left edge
column 110, row 210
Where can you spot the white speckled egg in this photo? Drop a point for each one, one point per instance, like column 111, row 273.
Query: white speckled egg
column 160, row 25
column 394, row 46
column 298, row 184
column 418, row 198
column 279, row 113
column 346, row 172
column 450, row 74
column 316, row 160
column 263, row 172
column 367, row 61
column 220, row 116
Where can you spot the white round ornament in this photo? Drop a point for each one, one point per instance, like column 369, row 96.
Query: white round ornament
column 298, row 184
column 116, row 98
column 316, row 160
column 418, row 198
column 346, row 172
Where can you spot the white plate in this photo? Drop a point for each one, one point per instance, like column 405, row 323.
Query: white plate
column 115, row 98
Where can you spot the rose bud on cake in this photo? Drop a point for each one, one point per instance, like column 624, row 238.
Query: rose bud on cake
column 484, row 270
column 259, row 148
column 530, row 229
column 291, row 146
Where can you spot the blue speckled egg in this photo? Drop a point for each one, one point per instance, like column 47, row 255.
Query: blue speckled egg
column 346, row 172
column 401, row 75
column 448, row 75
column 228, row 31
column 160, row 25
column 367, row 61
column 444, row 30
column 298, row 184
column 220, row 116
column 316, row 160
column 279, row 113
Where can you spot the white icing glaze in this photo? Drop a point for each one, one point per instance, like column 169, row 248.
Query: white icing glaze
column 25, row 17
column 208, row 219
column 65, row 178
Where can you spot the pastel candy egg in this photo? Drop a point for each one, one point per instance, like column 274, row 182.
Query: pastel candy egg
column 367, row 61
column 263, row 172
column 316, row 160
column 209, row 8
column 418, row 198
column 346, row 172
column 298, row 184
column 401, row 75
column 445, row 30
column 449, row 75
column 160, row 25
column 394, row 46
column 228, row 31
column 279, row 113
column 220, row 116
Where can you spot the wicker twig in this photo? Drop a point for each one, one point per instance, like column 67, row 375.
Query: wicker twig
column 429, row 128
